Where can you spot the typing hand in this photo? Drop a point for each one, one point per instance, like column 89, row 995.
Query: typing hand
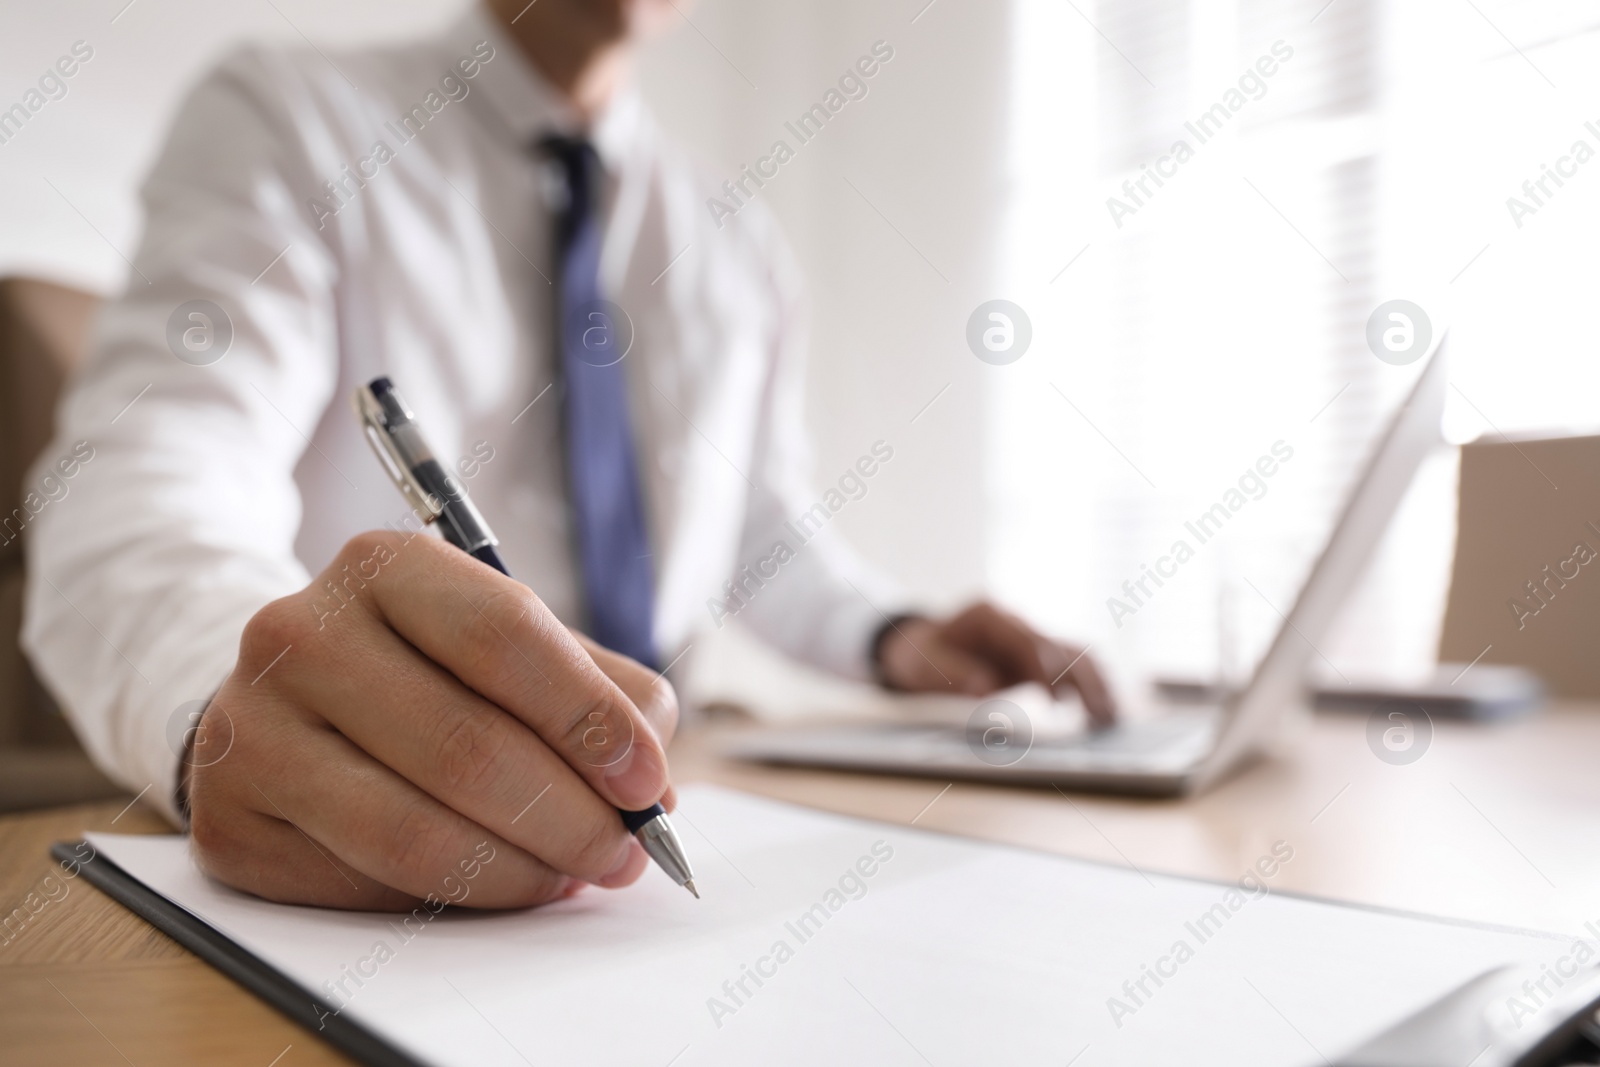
column 424, row 725
column 983, row 649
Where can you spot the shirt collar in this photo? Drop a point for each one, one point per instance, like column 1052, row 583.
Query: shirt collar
column 530, row 108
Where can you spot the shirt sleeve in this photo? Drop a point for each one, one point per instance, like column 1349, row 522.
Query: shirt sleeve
column 186, row 424
column 798, row 584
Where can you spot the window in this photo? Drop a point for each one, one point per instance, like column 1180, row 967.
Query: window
column 1210, row 200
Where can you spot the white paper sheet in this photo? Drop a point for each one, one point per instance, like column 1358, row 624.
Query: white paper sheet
column 950, row 952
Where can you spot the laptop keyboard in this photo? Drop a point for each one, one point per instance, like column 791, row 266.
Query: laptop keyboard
column 1131, row 739
column 1160, row 744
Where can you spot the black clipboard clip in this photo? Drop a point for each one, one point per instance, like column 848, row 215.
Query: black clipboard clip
column 1513, row 1016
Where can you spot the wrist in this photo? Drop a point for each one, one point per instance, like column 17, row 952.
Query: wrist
column 186, row 762
column 879, row 642
column 180, row 791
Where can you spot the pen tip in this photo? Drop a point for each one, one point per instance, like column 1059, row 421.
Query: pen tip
column 689, row 885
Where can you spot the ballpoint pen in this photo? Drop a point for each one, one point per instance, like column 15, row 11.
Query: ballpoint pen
column 438, row 497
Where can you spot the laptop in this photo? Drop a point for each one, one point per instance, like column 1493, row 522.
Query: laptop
column 1186, row 748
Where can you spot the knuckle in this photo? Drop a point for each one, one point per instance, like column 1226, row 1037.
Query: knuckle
column 363, row 546
column 629, row 674
column 418, row 845
column 597, row 732
column 470, row 746
column 281, row 622
column 490, row 629
column 660, row 708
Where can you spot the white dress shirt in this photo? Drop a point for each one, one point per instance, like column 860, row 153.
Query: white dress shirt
column 215, row 487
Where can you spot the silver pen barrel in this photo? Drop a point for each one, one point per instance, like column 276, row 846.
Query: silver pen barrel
column 660, row 840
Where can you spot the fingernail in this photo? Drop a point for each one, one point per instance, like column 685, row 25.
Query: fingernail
column 638, row 779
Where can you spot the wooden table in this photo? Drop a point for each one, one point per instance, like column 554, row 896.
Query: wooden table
column 1496, row 823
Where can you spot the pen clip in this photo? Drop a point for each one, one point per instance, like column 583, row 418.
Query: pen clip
column 375, row 424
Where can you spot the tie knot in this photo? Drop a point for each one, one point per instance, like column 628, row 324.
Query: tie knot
column 571, row 181
column 576, row 155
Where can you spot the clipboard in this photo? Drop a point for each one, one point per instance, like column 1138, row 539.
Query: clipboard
column 300, row 1005
column 220, row 926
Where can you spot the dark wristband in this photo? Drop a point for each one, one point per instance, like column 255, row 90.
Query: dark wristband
column 875, row 646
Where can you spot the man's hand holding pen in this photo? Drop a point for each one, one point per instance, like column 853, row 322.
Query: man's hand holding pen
column 372, row 748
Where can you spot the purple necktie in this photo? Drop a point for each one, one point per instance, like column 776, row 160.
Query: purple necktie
column 602, row 468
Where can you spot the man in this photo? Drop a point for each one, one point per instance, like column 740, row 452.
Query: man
column 453, row 214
